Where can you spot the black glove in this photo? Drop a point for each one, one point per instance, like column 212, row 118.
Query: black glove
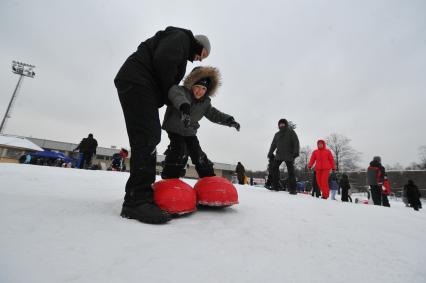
column 271, row 156
column 233, row 123
column 185, row 114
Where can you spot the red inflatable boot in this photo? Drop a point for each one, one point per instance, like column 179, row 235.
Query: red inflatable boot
column 174, row 196
column 216, row 191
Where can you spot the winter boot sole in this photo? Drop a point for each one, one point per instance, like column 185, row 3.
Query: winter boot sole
column 149, row 219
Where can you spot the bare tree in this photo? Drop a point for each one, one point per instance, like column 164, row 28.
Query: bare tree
column 413, row 166
column 395, row 167
column 422, row 153
column 345, row 155
column 304, row 156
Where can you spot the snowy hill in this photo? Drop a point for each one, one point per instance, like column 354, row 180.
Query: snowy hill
column 63, row 225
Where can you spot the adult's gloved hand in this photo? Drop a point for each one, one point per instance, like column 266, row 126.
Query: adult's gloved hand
column 185, row 116
column 271, row 156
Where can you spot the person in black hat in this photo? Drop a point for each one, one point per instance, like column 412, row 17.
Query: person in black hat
column 143, row 84
column 190, row 103
column 286, row 145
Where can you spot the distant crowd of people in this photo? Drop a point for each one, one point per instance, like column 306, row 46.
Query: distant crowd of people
column 325, row 182
column 86, row 152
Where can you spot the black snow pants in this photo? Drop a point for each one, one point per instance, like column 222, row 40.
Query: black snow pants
column 140, row 108
column 385, row 200
column 86, row 160
column 345, row 194
column 376, row 194
column 315, row 188
column 176, row 159
column 276, row 175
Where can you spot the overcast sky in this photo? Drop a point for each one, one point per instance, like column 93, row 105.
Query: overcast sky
column 356, row 68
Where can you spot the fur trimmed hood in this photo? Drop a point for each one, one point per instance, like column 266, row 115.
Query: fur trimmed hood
column 202, row 72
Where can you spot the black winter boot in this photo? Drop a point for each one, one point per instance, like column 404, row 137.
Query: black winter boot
column 173, row 171
column 140, row 206
column 146, row 212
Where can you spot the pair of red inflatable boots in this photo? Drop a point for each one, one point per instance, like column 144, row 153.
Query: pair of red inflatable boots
column 177, row 197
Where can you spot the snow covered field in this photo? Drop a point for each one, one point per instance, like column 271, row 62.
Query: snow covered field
column 63, row 225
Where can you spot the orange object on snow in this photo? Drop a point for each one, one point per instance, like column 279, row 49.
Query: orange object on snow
column 174, row 196
column 216, row 191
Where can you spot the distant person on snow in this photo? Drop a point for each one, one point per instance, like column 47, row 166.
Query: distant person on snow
column 286, row 145
column 87, row 148
column 375, row 178
column 143, row 85
column 190, row 103
column 386, row 189
column 324, row 162
column 413, row 195
column 118, row 160
column 241, row 173
column 333, row 185
column 345, row 187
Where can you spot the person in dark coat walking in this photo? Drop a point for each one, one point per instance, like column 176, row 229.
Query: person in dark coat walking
column 286, row 144
column 413, row 195
column 345, row 186
column 375, row 178
column 241, row 172
column 190, row 103
column 87, row 148
column 143, row 84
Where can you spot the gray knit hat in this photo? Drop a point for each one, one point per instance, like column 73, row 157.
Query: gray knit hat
column 204, row 41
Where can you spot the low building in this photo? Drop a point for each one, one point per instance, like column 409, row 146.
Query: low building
column 103, row 158
column 13, row 147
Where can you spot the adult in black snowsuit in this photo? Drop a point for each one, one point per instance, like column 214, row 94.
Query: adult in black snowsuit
column 241, row 173
column 413, row 195
column 87, row 147
column 345, row 187
column 143, row 83
column 286, row 144
column 375, row 178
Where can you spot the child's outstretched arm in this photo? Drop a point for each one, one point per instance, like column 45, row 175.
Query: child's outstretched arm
column 221, row 118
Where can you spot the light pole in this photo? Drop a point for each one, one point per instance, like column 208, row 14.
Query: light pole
column 22, row 70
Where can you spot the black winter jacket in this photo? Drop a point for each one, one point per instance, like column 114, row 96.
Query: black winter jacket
column 286, row 143
column 160, row 61
column 87, row 145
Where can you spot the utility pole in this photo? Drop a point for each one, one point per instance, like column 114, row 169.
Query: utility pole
column 22, row 70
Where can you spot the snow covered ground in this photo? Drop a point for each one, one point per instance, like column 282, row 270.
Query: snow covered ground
column 63, row 225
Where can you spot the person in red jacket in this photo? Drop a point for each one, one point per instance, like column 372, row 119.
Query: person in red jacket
column 324, row 162
column 386, row 189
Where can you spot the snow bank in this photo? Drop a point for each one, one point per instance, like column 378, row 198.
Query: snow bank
column 63, row 225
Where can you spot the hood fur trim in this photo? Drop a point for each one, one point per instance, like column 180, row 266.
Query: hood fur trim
column 202, row 72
